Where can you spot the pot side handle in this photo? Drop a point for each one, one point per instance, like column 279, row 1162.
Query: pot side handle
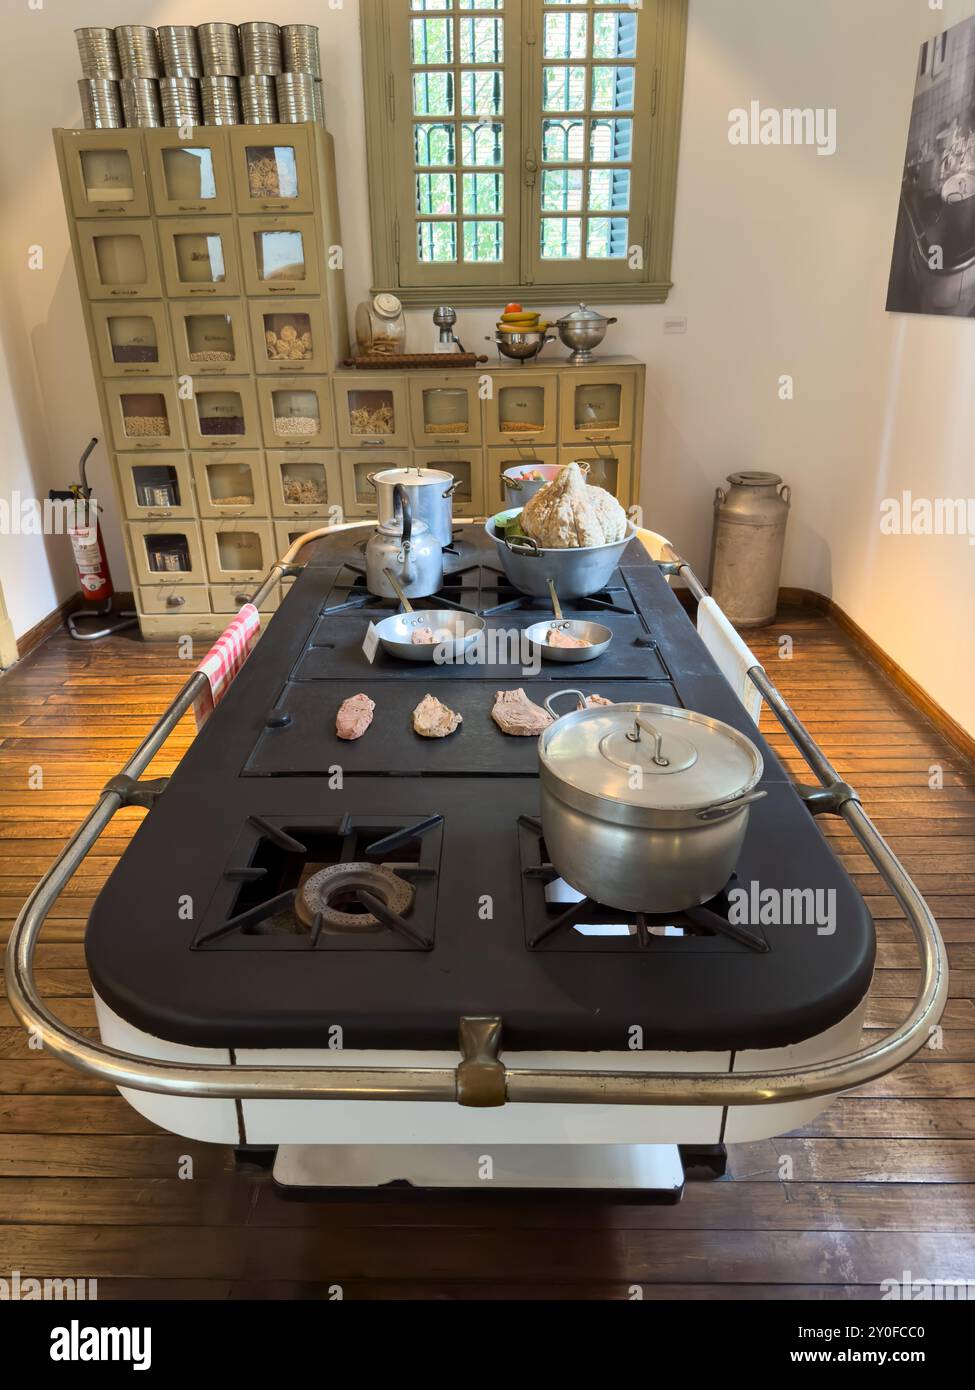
column 722, row 809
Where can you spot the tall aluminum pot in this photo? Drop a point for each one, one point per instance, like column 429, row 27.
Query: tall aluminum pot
column 431, row 494
column 576, row 570
column 749, row 536
column 661, row 841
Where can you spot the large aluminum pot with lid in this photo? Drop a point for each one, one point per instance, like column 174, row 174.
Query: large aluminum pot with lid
column 645, row 807
column 431, row 494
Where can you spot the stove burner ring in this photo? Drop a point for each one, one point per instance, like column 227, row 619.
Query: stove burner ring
column 325, row 891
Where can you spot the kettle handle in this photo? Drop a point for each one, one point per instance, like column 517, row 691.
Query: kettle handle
column 401, row 496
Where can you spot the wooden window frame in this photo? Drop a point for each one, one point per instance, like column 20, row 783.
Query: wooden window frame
column 389, row 116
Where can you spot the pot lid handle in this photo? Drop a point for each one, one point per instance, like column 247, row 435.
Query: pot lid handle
column 641, row 726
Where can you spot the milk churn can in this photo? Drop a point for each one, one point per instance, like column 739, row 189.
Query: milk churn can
column 749, row 536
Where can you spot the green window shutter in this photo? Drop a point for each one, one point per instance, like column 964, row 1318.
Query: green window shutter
column 522, row 146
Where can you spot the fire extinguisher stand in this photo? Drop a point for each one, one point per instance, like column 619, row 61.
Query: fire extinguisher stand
column 91, row 561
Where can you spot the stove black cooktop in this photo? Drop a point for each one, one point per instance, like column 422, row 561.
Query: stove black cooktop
column 395, row 884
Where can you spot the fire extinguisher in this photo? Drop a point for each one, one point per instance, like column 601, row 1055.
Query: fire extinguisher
column 91, row 559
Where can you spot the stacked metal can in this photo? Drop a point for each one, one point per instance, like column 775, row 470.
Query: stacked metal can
column 296, row 97
column 138, row 50
column 220, row 50
column 258, row 99
column 180, row 50
column 180, row 100
column 300, row 45
column 99, row 53
column 220, row 97
column 140, row 101
column 260, row 47
column 101, row 103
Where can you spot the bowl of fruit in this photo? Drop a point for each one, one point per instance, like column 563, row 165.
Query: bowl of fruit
column 521, row 333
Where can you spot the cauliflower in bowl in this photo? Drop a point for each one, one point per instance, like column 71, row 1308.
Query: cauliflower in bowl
column 572, row 513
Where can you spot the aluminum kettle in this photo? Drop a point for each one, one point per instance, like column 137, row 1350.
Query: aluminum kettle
column 409, row 549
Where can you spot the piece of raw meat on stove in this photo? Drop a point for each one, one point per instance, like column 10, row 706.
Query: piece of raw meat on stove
column 515, row 714
column 598, row 700
column 354, row 716
column 424, row 637
column 431, row 719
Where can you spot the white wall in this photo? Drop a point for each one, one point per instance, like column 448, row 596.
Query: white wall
column 780, row 266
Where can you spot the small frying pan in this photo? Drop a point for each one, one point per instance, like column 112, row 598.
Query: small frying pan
column 598, row 636
column 454, row 630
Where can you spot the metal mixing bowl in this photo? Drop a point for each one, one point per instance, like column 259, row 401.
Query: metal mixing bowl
column 522, row 346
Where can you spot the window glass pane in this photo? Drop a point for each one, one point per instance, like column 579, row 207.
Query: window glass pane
column 107, row 176
column 432, row 40
column 612, row 88
column 372, row 412
column 482, row 92
column 220, row 412
column 566, row 35
column 288, row 337
column 272, row 171
column 481, row 40
column 437, row 241
column 239, row 550
column 230, row 484
column 609, row 190
column 483, row 241
column 436, row 193
column 296, row 413
column 564, row 89
column 430, row 4
column 304, row 484
column 156, row 485
column 433, row 93
column 483, row 193
column 280, row 255
column 133, row 339
column 483, row 143
column 482, row 4
column 607, row 238
column 210, row 338
column 435, row 144
column 561, row 238
column 562, row 190
column 121, row 260
column 614, row 35
column 199, row 258
column 189, row 174
column 611, row 140
column 563, row 142
column 144, row 415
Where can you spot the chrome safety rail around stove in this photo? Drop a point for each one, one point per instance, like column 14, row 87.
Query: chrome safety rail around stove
column 480, row 1078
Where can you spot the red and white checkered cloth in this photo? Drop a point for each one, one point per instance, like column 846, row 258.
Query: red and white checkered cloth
column 224, row 660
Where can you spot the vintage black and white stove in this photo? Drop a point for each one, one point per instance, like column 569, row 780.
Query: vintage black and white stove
column 295, row 898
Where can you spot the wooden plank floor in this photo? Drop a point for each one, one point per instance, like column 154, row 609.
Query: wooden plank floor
column 883, row 1182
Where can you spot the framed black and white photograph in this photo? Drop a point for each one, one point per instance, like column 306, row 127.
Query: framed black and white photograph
column 933, row 267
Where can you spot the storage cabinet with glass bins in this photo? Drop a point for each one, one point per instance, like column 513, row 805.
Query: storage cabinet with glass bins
column 167, row 552
column 273, row 168
column 118, row 260
column 281, row 255
column 230, row 484
column 199, row 257
column 464, row 465
column 296, row 412
column 359, row 497
column 522, row 408
column 499, row 459
column 223, row 414
column 238, row 551
column 156, row 489
column 372, row 409
column 211, row 341
column 105, row 173
column 288, row 339
column 132, row 340
column 610, row 466
column 446, row 408
column 143, row 414
column 597, row 403
column 189, row 175
column 305, row 483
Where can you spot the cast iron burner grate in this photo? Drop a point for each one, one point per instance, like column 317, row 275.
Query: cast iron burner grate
column 352, row 582
column 513, row 600
column 585, row 922
column 340, row 883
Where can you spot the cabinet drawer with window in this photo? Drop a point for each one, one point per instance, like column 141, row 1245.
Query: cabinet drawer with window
column 132, row 341
column 105, row 173
column 523, row 408
column 230, row 485
column 157, row 488
column 189, row 176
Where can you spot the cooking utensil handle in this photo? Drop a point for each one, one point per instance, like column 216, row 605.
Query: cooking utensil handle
column 451, row 490
column 658, row 740
column 398, row 591
column 401, row 496
column 556, row 606
column 557, row 694
column 720, row 809
column 526, row 547
column 513, row 483
column 371, row 478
